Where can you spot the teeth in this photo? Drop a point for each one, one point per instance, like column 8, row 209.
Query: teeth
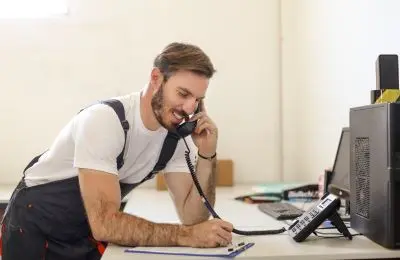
column 178, row 116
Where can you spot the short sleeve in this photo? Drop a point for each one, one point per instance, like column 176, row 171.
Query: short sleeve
column 178, row 161
column 99, row 139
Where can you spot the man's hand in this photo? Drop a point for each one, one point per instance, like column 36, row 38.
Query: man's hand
column 205, row 134
column 211, row 233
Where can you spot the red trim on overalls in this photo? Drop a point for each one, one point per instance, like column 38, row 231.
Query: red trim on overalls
column 101, row 247
column 3, row 227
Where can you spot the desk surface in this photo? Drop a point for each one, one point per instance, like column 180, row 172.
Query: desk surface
column 157, row 206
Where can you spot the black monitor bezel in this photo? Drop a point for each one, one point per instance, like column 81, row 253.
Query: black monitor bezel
column 332, row 188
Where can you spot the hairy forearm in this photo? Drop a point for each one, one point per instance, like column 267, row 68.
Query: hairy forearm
column 117, row 227
column 125, row 229
column 194, row 210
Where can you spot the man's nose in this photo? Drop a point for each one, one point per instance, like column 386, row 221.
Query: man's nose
column 190, row 107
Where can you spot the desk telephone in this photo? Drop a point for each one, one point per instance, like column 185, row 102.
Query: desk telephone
column 326, row 208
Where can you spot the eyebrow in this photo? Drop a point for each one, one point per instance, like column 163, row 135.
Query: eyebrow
column 188, row 91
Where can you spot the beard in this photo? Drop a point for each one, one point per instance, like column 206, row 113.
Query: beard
column 160, row 110
column 157, row 104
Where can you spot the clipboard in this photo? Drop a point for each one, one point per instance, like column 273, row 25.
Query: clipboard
column 227, row 252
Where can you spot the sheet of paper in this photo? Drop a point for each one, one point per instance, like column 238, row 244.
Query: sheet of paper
column 237, row 245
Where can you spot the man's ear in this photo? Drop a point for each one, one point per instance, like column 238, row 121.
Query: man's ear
column 156, row 79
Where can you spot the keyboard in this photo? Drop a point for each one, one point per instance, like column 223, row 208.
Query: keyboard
column 280, row 210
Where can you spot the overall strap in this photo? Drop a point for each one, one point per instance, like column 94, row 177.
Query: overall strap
column 120, row 111
column 167, row 151
column 32, row 162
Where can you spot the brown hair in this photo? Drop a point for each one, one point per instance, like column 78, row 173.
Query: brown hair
column 183, row 56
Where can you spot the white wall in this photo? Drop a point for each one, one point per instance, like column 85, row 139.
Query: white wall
column 329, row 51
column 49, row 69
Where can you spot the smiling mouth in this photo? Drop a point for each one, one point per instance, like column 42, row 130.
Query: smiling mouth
column 178, row 116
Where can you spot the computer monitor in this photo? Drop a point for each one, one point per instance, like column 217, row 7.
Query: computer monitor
column 340, row 178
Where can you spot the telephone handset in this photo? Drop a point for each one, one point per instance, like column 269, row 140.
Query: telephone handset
column 187, row 128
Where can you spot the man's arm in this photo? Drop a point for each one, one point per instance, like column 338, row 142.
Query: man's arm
column 188, row 202
column 100, row 191
column 101, row 196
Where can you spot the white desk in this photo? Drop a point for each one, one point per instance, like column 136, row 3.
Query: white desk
column 157, row 206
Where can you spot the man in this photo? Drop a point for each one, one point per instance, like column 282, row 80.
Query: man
column 70, row 198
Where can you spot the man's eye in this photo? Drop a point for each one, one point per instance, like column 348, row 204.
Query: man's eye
column 183, row 94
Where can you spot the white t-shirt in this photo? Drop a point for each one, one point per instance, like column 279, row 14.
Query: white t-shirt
column 94, row 138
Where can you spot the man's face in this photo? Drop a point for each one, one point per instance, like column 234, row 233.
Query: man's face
column 178, row 98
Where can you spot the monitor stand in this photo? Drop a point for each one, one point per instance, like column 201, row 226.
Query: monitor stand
column 344, row 211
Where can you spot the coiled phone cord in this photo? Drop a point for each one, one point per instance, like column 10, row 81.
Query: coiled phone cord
column 210, row 208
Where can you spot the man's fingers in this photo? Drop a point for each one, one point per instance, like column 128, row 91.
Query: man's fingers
column 226, row 225
column 197, row 116
column 205, row 127
column 224, row 231
column 226, row 235
column 201, row 121
column 220, row 241
column 201, row 125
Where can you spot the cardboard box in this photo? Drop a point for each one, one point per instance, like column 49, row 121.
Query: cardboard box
column 224, row 175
